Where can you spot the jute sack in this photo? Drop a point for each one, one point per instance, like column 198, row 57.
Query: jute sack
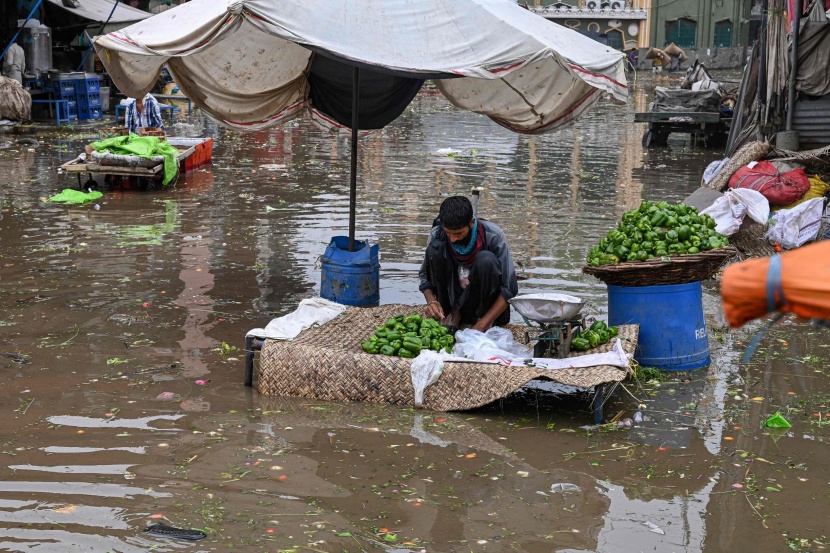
column 15, row 101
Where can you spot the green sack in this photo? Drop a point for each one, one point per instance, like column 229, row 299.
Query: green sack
column 777, row 421
column 143, row 146
column 75, row 197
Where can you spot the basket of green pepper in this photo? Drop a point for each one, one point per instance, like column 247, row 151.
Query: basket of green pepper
column 598, row 334
column 406, row 335
column 659, row 243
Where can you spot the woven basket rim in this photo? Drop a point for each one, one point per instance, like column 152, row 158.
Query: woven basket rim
column 661, row 263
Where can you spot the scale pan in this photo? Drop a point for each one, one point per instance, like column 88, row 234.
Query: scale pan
column 548, row 307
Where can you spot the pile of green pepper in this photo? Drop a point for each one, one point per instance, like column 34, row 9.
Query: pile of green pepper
column 657, row 230
column 406, row 336
column 598, row 334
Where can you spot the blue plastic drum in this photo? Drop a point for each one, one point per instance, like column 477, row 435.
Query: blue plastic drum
column 351, row 278
column 672, row 327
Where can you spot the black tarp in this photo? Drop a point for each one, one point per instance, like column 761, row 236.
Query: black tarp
column 383, row 96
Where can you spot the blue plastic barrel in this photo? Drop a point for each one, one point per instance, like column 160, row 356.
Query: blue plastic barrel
column 351, row 278
column 672, row 328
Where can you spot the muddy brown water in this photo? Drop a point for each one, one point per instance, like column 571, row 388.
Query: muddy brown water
column 122, row 322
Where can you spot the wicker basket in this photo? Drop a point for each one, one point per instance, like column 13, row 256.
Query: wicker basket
column 679, row 269
column 152, row 131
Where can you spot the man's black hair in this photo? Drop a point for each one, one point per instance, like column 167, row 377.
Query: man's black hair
column 456, row 212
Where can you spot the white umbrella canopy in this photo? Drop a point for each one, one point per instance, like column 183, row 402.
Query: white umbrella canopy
column 251, row 63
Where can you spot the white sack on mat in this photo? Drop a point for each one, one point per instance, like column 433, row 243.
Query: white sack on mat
column 793, row 227
column 617, row 357
column 729, row 210
column 425, row 369
column 311, row 311
column 497, row 341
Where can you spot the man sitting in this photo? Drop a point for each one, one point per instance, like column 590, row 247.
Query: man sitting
column 143, row 113
column 467, row 275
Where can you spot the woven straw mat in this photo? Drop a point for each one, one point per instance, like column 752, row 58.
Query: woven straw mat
column 326, row 363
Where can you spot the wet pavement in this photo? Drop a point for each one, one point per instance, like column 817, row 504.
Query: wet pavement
column 122, row 326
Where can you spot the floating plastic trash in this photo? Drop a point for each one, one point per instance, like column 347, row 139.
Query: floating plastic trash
column 164, row 531
column 75, row 197
column 564, row 487
column 777, row 421
column 654, row 528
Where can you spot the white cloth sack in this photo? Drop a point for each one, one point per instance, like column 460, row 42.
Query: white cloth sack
column 425, row 370
column 793, row 227
column 713, row 169
column 729, row 210
column 310, row 312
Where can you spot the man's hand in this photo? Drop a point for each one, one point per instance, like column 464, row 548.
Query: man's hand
column 434, row 310
column 485, row 323
column 482, row 326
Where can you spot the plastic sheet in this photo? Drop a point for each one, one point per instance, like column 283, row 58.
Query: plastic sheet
column 425, row 369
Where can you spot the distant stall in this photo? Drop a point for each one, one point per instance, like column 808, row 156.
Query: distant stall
column 192, row 153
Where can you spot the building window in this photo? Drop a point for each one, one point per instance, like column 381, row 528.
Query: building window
column 615, row 39
column 723, row 33
column 682, row 32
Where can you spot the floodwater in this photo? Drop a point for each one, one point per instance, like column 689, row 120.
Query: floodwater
column 122, row 325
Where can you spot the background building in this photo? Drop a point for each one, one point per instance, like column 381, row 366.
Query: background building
column 697, row 24
column 621, row 24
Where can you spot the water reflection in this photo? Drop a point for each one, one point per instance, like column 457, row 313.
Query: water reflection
column 121, row 309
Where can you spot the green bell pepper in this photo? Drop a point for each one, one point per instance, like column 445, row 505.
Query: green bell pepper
column 369, row 347
column 387, row 350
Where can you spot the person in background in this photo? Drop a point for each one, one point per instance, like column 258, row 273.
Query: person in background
column 467, row 274
column 143, row 113
column 14, row 62
column 633, row 59
column 674, row 64
column 657, row 65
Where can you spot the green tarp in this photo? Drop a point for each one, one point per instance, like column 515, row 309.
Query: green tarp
column 74, row 197
column 142, row 146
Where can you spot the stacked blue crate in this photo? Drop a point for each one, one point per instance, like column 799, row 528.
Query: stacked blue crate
column 88, row 93
column 65, row 90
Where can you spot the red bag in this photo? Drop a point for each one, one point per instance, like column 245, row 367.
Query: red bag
column 778, row 188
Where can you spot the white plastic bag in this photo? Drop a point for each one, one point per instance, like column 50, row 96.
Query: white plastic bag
column 425, row 370
column 496, row 342
column 793, row 227
column 729, row 210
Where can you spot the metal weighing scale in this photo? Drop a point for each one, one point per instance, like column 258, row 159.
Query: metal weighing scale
column 552, row 320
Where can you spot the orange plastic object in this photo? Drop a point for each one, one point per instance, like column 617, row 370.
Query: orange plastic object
column 805, row 277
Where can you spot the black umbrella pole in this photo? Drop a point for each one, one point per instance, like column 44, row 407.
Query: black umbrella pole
column 353, row 182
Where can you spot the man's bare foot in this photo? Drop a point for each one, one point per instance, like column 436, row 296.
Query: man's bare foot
column 452, row 321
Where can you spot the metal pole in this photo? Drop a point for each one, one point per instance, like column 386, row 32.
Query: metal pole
column 31, row 14
column 101, row 30
column 353, row 180
column 762, row 59
column 793, row 65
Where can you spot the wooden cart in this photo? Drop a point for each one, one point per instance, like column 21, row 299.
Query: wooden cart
column 193, row 153
column 710, row 125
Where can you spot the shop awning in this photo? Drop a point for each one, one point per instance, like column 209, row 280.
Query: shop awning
column 249, row 63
